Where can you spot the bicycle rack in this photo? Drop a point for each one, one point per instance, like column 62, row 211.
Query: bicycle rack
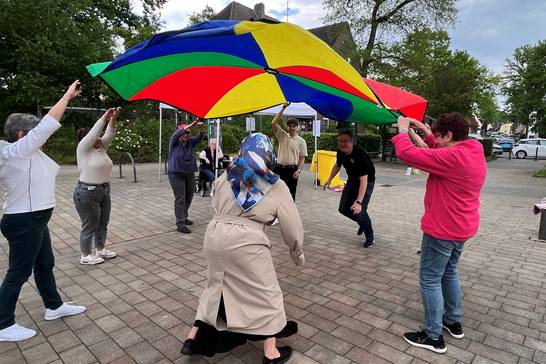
column 132, row 162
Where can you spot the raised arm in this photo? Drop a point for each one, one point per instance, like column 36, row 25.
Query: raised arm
column 110, row 133
column 36, row 137
column 277, row 130
column 86, row 144
column 57, row 111
column 416, row 139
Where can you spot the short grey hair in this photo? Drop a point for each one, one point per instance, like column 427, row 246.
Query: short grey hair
column 19, row 122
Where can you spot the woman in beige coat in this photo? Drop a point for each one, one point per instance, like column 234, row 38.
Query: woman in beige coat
column 243, row 300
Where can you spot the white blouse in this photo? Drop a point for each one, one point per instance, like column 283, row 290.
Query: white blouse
column 26, row 173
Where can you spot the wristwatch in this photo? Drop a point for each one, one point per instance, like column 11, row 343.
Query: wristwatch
column 358, row 202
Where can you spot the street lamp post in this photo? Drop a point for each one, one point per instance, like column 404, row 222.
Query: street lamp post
column 532, row 116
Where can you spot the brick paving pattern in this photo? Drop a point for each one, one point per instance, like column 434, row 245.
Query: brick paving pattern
column 352, row 304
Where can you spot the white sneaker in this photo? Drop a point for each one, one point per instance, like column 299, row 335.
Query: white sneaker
column 275, row 222
column 91, row 259
column 211, row 193
column 16, row 332
column 106, row 254
column 64, row 310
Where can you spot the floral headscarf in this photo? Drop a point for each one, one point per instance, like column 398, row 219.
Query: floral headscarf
column 250, row 174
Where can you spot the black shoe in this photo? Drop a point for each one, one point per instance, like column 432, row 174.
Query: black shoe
column 360, row 230
column 183, row 229
column 285, row 351
column 369, row 243
column 421, row 340
column 455, row 330
column 188, row 348
column 189, row 222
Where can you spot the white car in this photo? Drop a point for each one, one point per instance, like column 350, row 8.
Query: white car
column 529, row 148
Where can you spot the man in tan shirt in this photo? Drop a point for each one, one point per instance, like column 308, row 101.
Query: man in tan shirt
column 291, row 153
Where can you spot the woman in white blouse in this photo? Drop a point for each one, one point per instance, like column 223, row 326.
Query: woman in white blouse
column 92, row 193
column 28, row 176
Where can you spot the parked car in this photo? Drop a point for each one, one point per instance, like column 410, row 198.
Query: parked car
column 497, row 149
column 529, row 148
column 506, row 144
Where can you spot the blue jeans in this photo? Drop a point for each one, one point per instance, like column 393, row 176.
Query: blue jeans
column 439, row 280
column 209, row 175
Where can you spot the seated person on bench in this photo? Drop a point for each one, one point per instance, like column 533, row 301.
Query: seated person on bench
column 208, row 158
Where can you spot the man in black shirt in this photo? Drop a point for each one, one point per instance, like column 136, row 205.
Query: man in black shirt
column 358, row 190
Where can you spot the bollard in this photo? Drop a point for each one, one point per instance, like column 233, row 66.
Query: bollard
column 536, row 154
column 510, row 154
column 542, row 226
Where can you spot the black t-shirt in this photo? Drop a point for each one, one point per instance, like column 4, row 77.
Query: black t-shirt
column 357, row 164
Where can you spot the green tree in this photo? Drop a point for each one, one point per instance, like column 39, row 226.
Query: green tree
column 46, row 44
column 525, row 85
column 450, row 80
column 375, row 23
column 206, row 14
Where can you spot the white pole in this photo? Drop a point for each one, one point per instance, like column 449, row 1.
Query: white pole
column 160, row 131
column 217, row 145
column 316, row 163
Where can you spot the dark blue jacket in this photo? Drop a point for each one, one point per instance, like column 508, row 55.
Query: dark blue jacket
column 182, row 156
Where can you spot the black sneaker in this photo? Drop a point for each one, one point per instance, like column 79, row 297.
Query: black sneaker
column 369, row 243
column 188, row 348
column 455, row 330
column 285, row 351
column 184, row 230
column 189, row 222
column 421, row 340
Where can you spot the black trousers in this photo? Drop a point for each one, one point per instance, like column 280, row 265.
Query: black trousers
column 29, row 249
column 287, row 175
column 183, row 185
column 348, row 198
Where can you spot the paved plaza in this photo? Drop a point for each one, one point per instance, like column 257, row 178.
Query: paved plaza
column 352, row 304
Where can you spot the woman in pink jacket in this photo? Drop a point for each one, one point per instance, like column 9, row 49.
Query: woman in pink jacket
column 457, row 168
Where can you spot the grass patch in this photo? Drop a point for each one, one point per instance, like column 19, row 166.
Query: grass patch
column 541, row 173
column 490, row 158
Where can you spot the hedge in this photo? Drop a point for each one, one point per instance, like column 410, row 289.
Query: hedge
column 487, row 146
column 328, row 141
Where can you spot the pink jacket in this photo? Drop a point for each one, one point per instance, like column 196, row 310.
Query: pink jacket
column 456, row 177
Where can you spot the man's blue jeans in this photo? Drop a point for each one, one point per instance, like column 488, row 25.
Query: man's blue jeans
column 439, row 280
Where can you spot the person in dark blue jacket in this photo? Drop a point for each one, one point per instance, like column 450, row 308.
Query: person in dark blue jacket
column 181, row 167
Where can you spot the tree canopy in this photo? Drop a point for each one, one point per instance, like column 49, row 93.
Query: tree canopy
column 450, row 80
column 525, row 85
column 45, row 45
column 376, row 23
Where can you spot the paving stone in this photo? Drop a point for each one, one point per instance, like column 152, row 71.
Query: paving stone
column 63, row 341
column 78, row 355
column 42, row 353
column 106, row 351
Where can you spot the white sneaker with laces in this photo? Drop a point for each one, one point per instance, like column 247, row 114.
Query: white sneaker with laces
column 106, row 254
column 16, row 332
column 91, row 259
column 65, row 309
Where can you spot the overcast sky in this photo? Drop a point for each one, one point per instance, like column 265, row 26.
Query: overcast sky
column 489, row 30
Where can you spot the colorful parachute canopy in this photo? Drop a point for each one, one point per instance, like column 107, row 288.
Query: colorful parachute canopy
column 396, row 99
column 224, row 68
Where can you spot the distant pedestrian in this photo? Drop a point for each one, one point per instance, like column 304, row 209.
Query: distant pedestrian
column 457, row 169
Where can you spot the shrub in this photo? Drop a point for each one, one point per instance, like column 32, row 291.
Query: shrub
column 487, row 146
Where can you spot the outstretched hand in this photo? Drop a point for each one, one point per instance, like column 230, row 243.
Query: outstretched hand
column 73, row 90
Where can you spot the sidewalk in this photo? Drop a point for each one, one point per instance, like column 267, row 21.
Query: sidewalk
column 352, row 304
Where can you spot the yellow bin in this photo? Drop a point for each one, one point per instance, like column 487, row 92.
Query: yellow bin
column 325, row 162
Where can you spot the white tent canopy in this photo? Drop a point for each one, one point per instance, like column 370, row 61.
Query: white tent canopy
column 297, row 109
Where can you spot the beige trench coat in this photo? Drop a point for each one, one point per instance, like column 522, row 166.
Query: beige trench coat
column 240, row 267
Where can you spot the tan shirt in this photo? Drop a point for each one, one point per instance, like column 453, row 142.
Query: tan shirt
column 290, row 148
